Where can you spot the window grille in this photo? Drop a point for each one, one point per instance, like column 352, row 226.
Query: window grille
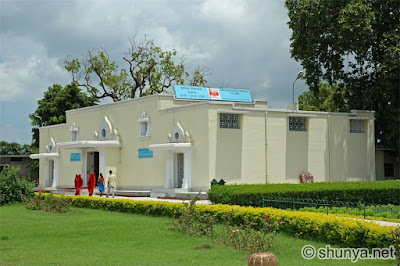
column 297, row 124
column 356, row 126
column 229, row 121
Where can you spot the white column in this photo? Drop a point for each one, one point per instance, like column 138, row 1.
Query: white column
column 169, row 179
column 46, row 180
column 56, row 172
column 84, row 166
column 188, row 169
column 102, row 161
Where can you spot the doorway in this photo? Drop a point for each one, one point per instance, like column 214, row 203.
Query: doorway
column 93, row 164
column 179, row 173
column 51, row 173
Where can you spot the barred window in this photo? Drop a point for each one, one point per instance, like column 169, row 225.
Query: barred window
column 297, row 124
column 228, row 120
column 356, row 126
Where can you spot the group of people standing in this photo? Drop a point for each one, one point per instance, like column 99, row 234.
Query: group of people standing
column 110, row 185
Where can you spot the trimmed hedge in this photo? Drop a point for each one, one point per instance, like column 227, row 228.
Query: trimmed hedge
column 376, row 192
column 348, row 232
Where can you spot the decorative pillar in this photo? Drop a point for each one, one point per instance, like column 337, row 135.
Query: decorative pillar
column 56, row 172
column 84, row 166
column 169, row 180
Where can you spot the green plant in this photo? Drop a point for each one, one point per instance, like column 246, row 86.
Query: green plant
column 192, row 222
column 12, row 188
column 249, row 236
column 48, row 204
column 377, row 192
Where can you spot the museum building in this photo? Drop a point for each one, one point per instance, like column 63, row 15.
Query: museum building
column 180, row 143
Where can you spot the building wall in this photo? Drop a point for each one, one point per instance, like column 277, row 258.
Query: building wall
column 327, row 149
column 21, row 161
column 261, row 150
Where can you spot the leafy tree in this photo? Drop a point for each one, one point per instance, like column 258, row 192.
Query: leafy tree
column 329, row 99
column 355, row 44
column 12, row 188
column 51, row 109
column 150, row 70
column 13, row 148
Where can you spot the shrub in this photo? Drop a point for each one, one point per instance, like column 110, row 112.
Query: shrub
column 12, row 188
column 319, row 226
column 377, row 192
column 48, row 203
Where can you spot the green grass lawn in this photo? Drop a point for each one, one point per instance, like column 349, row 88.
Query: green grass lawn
column 88, row 236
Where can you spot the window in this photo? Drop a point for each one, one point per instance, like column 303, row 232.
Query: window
column 74, row 136
column 144, row 126
column 297, row 124
column 229, row 121
column 356, row 126
column 103, row 133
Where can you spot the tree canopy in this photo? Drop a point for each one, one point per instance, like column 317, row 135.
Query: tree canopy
column 13, row 148
column 150, row 70
column 56, row 100
column 355, row 45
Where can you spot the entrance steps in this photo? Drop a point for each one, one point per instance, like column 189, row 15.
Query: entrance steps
column 179, row 193
column 172, row 193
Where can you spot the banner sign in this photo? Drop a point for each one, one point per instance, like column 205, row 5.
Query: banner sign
column 145, row 153
column 214, row 94
column 75, row 157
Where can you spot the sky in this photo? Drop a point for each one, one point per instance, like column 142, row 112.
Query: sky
column 244, row 44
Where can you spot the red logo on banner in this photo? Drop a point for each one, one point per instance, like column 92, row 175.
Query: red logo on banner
column 214, row 93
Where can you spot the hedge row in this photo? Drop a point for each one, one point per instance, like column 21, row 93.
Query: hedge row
column 347, row 232
column 377, row 192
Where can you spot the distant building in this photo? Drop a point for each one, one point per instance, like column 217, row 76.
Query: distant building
column 181, row 143
column 387, row 167
column 21, row 161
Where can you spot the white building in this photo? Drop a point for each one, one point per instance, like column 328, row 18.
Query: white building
column 163, row 143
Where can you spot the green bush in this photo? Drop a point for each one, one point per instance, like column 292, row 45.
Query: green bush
column 48, row 203
column 376, row 192
column 12, row 188
column 318, row 226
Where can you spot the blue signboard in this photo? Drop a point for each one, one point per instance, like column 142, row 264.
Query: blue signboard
column 145, row 153
column 214, row 94
column 75, row 157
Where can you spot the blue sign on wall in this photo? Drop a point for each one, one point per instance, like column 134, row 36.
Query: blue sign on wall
column 145, row 153
column 215, row 94
column 75, row 157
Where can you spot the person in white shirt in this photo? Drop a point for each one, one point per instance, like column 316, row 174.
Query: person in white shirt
column 111, row 183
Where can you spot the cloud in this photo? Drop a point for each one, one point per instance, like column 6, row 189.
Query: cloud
column 245, row 44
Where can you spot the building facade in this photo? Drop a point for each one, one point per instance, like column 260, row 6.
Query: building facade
column 160, row 142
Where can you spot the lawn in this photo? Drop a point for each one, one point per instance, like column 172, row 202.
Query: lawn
column 87, row 236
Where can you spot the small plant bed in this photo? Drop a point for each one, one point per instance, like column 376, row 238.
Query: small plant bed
column 48, row 203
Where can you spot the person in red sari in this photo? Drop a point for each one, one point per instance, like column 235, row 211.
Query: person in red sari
column 78, row 184
column 91, row 183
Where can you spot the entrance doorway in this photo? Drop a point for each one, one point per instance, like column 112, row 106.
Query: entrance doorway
column 51, row 173
column 180, row 163
column 93, row 164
